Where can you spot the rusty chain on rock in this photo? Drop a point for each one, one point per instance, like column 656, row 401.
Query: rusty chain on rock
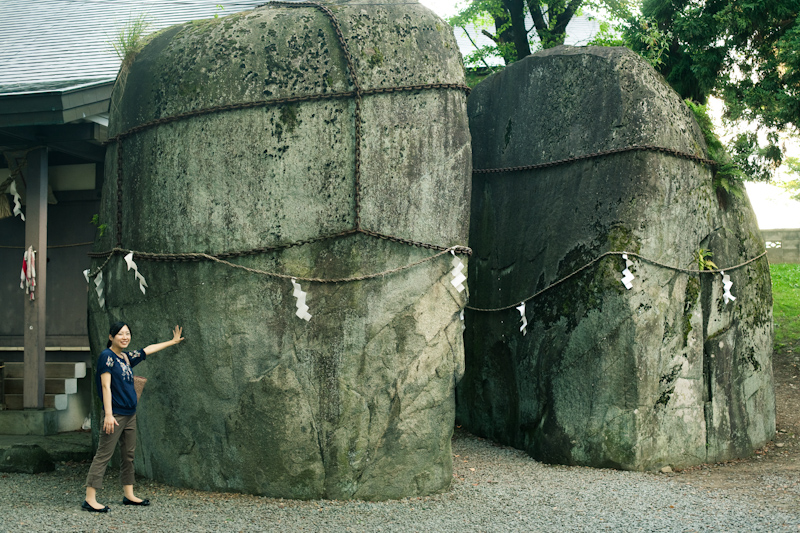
column 193, row 256
column 356, row 97
column 119, row 193
column 261, row 103
column 636, row 148
column 199, row 256
column 282, row 101
column 357, row 93
column 642, row 148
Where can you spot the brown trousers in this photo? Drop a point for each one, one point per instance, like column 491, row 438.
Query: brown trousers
column 125, row 434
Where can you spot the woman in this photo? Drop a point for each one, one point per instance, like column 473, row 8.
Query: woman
column 115, row 387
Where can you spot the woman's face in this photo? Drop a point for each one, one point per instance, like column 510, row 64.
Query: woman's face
column 121, row 339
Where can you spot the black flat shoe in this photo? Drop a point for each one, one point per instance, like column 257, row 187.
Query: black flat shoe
column 91, row 509
column 126, row 501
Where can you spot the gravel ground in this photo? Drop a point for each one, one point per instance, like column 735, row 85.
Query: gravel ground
column 494, row 489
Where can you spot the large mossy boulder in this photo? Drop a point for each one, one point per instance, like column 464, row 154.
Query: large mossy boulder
column 665, row 373
column 358, row 402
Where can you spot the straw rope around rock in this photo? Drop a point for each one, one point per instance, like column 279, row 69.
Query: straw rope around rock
column 606, row 254
column 196, row 257
column 51, row 246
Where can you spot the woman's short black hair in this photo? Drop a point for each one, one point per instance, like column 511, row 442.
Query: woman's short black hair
column 115, row 329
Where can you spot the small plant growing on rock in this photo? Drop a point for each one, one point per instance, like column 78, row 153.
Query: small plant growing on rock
column 702, row 256
column 130, row 39
column 95, row 221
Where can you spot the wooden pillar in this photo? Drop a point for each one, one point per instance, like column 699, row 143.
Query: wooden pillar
column 2, row 385
column 36, row 236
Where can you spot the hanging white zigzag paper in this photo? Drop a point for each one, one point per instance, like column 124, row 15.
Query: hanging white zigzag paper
column 17, row 204
column 458, row 276
column 727, row 284
column 302, row 308
column 627, row 276
column 139, row 277
column 524, row 327
column 98, row 284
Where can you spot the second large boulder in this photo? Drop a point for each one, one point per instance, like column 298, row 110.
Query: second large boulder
column 668, row 372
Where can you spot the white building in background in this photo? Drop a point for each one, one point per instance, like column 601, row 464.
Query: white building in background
column 580, row 31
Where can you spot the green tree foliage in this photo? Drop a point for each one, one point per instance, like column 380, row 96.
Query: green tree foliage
column 743, row 51
column 504, row 22
column 728, row 174
column 793, row 186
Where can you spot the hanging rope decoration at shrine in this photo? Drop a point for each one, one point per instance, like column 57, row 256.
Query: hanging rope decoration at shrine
column 356, row 94
column 12, row 189
column 626, row 280
column 28, row 274
column 627, row 277
column 16, row 162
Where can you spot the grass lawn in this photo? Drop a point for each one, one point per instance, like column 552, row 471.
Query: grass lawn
column 786, row 304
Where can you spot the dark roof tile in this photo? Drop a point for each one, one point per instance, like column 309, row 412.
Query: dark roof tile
column 53, row 44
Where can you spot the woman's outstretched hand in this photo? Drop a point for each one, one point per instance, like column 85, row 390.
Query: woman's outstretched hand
column 177, row 338
column 177, row 335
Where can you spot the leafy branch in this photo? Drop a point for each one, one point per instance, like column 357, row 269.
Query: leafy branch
column 728, row 175
column 702, row 257
column 792, row 186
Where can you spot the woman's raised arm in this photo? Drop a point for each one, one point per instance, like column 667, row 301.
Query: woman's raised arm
column 176, row 338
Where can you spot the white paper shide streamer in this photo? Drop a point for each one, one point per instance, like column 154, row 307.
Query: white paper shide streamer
column 98, row 284
column 302, row 308
column 139, row 277
column 627, row 276
column 98, row 287
column 27, row 277
column 726, row 285
column 17, row 203
column 458, row 273
column 524, row 320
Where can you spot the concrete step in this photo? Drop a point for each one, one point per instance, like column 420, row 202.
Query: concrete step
column 58, row 402
column 72, row 446
column 51, row 370
column 51, row 386
column 26, row 422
